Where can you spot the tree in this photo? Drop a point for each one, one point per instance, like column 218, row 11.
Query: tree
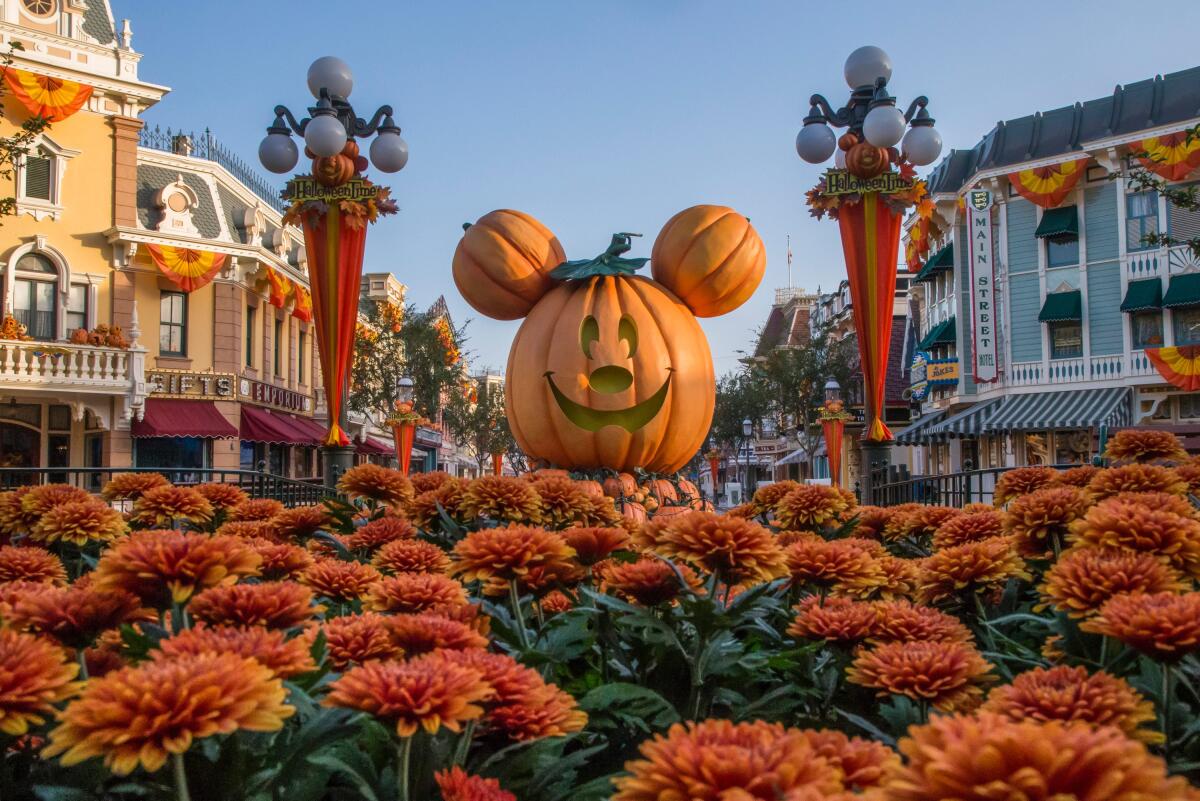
column 13, row 148
column 1142, row 179
column 475, row 420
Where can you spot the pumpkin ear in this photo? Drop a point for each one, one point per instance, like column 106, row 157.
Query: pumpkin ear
column 502, row 264
column 710, row 257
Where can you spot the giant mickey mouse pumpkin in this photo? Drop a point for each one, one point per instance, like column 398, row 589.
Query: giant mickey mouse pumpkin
column 610, row 369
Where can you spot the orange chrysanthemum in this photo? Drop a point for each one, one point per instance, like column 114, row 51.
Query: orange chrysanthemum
column 968, row 528
column 1144, row 445
column 900, row 579
column 556, row 602
column 1069, row 693
column 1136, row 478
column 1022, row 481
column 1038, row 522
column 162, row 567
column 592, row 544
column 904, row 621
column 821, row 563
column 916, row 522
column 76, row 615
column 379, row 532
column 42, row 499
column 1189, row 471
column 168, row 505
column 1117, row 523
column 743, row 510
column 810, row 507
column 546, row 711
column 837, row 620
column 79, row 523
column 426, row 509
column 19, row 563
column 131, row 486
column 649, row 581
column 256, row 509
column 562, row 501
column 142, row 714
column 863, row 762
column 1084, row 578
column 338, row 580
column 221, row 495
column 872, row 520
column 300, row 522
column 424, row 482
column 248, row 530
column 281, row 560
column 374, row 483
column 1162, row 501
column 34, row 674
column 719, row 759
column 1079, row 476
column 987, row 757
column 427, row 693
column 12, row 517
column 1162, row 625
column 355, row 639
column 411, row 556
column 510, row 552
column 456, row 785
column 945, row 674
column 274, row 604
column 422, row 633
column 737, row 550
column 269, row 647
column 599, row 512
column 766, row 498
column 13, row 591
column 502, row 498
column 414, row 592
column 973, row 567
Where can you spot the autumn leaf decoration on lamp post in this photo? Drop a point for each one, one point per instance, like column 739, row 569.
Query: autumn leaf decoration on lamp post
column 333, row 205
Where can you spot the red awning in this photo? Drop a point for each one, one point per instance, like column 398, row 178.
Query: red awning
column 182, row 418
column 263, row 425
column 313, row 431
column 373, row 447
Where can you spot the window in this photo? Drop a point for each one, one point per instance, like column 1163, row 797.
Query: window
column 38, row 174
column 250, row 336
column 172, row 324
column 1066, row 340
column 77, row 308
column 277, row 344
column 1183, row 224
column 1141, row 219
column 302, row 348
column 1187, row 325
column 1189, row 406
column 1147, row 329
column 1062, row 251
column 34, row 301
column 1037, row 448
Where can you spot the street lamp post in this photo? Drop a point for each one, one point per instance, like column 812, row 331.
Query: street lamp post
column 872, row 182
column 333, row 204
column 404, row 423
column 747, row 432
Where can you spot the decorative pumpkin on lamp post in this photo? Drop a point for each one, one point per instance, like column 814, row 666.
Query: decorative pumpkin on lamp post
column 610, row 369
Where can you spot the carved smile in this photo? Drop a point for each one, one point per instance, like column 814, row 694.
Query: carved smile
column 631, row 418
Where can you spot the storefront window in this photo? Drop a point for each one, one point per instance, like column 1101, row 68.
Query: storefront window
column 249, row 457
column 19, row 446
column 1189, row 407
column 1072, row 447
column 1037, row 448
column 1186, row 323
column 276, row 459
column 1066, row 340
column 1141, row 219
column 1147, row 329
column 172, row 452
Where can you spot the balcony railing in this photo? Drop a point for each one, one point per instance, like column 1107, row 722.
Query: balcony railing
column 50, row 364
column 205, row 146
column 1115, row 367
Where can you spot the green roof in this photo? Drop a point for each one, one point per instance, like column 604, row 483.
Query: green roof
column 1143, row 295
column 1060, row 222
column 941, row 334
column 938, row 263
column 1062, row 307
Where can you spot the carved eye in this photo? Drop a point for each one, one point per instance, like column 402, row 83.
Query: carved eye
column 589, row 332
column 627, row 333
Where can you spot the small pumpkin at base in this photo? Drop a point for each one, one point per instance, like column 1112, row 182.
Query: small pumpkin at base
column 634, row 511
column 590, row 488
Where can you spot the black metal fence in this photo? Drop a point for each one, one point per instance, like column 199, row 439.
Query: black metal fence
column 205, row 146
column 256, row 484
column 895, row 486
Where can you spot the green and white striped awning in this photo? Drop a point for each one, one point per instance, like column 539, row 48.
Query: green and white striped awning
column 1080, row 408
column 915, row 433
column 967, row 423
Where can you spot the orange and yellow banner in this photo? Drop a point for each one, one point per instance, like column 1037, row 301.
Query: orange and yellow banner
column 1170, row 156
column 303, row 309
column 1048, row 186
column 186, row 268
column 280, row 287
column 54, row 99
column 1180, row 366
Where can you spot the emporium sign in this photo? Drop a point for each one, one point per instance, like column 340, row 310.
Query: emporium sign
column 983, row 283
column 841, row 182
column 191, row 386
column 277, row 397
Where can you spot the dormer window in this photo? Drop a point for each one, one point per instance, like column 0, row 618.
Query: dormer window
column 39, row 178
column 41, row 9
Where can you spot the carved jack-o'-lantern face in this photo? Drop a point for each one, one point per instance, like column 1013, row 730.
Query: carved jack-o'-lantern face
column 611, row 369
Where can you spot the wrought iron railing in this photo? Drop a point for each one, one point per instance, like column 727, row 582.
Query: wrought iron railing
column 895, row 486
column 256, row 484
column 205, row 146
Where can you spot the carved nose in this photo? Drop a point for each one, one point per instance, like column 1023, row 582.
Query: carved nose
column 610, row 379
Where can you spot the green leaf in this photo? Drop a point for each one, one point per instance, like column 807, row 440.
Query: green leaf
column 333, row 542
column 619, row 704
column 361, row 775
column 868, row 727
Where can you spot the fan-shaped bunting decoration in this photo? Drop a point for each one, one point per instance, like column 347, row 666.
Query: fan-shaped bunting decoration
column 303, row 308
column 1048, row 186
column 281, row 287
column 1180, row 366
column 1171, row 156
column 186, row 268
column 55, row 99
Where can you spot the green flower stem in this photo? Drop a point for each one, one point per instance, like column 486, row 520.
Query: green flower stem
column 83, row 671
column 404, row 754
column 463, row 747
column 181, row 786
column 1167, row 697
column 515, row 600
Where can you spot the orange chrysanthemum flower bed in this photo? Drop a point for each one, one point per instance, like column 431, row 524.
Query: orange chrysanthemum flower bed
column 970, row 568
column 863, row 763
column 167, row 505
column 281, row 560
column 968, row 528
column 592, row 543
column 426, row 509
column 256, row 509
column 422, row 633
column 39, row 500
column 1163, row 625
column 766, row 498
column 18, row 563
column 1038, row 522
column 411, row 556
column 373, row 535
column 269, row 647
column 76, row 615
column 1022, row 481
column 649, row 581
column 35, row 674
column 221, row 495
column 836, row 620
column 503, row 499
column 510, row 552
column 140, row 715
column 356, row 639
column 836, row 563
column 562, row 501
column 1118, row 523
column 414, row 592
column 916, row 522
column 1136, row 478
column 274, row 604
column 79, row 523
column 374, row 483
column 1070, row 693
column 904, row 621
column 872, row 520
column 300, row 522
column 1084, row 578
column 810, row 507
column 338, row 580
column 162, row 567
column 130, row 486
column 424, row 482
column 456, row 784
column 736, row 550
column 947, row 675
column 1144, row 445
column 248, row 529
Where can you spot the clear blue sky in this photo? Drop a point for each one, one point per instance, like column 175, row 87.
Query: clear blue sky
column 612, row 115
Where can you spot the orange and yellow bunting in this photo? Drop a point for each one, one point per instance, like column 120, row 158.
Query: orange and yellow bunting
column 186, row 268
column 1180, row 366
column 1171, row 156
column 54, row 99
column 1048, row 186
column 303, row 309
column 280, row 288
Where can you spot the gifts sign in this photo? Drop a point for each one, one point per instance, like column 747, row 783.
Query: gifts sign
column 983, row 283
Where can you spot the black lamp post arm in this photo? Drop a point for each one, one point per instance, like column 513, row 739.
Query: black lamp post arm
column 355, row 126
column 913, row 107
column 362, row 128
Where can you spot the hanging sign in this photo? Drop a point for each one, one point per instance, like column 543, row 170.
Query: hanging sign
column 983, row 284
column 841, row 182
column 943, row 372
column 918, row 376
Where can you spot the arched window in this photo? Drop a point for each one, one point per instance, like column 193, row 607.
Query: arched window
column 35, row 296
